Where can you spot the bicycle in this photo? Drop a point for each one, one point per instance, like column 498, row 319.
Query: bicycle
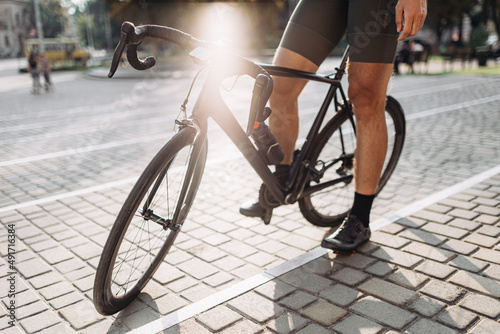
column 157, row 206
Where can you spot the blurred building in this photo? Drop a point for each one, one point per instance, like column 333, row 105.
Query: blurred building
column 14, row 27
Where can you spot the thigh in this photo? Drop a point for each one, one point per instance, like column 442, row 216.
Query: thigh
column 315, row 28
column 372, row 31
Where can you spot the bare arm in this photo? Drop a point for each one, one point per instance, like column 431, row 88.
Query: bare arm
column 410, row 17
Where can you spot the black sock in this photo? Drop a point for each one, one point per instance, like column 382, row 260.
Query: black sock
column 362, row 206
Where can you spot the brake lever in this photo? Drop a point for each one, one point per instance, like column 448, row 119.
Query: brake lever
column 118, row 53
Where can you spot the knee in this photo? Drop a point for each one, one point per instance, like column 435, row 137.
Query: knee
column 367, row 100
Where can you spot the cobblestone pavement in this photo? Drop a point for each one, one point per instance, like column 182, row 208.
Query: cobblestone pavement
column 70, row 157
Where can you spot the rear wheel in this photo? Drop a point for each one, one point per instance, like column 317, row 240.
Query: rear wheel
column 327, row 203
column 149, row 221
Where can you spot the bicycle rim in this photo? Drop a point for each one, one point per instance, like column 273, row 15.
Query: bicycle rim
column 329, row 206
column 148, row 223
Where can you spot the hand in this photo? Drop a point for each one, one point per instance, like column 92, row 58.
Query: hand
column 410, row 17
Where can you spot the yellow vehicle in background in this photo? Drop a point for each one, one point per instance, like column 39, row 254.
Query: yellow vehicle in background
column 61, row 52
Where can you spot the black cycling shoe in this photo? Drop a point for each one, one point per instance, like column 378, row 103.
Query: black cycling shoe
column 255, row 209
column 348, row 237
column 252, row 209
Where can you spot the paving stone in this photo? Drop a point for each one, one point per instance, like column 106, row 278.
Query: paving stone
column 388, row 240
column 426, row 306
column 481, row 240
column 482, row 304
column 465, row 214
column 81, row 314
column 87, row 251
column 487, row 210
column 349, row 276
column 447, row 231
column 381, row 268
column 108, row 326
column 429, row 326
column 65, row 300
column 443, row 290
column 466, row 205
column 70, row 265
column 356, row 324
column 46, row 279
column 275, row 289
column 246, row 271
column 397, row 257
column 229, row 263
column 432, row 216
column 323, row 266
column 486, row 326
column 387, row 291
column 487, row 255
column 340, row 294
column 56, row 290
column 298, row 300
column 197, row 292
column 324, row 313
column 207, row 253
column 429, row 252
column 487, row 219
column 39, row 321
column 287, row 323
column 31, row 309
column 468, row 263
column 464, row 224
column 197, row 268
column 478, row 283
column 166, row 274
column 456, row 317
column 383, row 312
column 408, row 278
column 244, row 326
column 218, row 279
column 423, row 237
column 459, row 246
column 238, row 249
column 491, row 231
column 167, row 303
column 314, row 329
column 141, row 318
column 59, row 329
column 218, row 318
column 435, row 269
column 32, row 268
column 493, row 272
column 246, row 306
column 304, row 279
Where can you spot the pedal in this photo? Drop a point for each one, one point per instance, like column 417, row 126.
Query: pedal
column 267, row 216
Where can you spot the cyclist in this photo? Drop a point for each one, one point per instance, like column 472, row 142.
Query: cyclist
column 315, row 28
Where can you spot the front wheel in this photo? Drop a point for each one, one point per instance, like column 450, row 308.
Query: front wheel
column 328, row 202
column 149, row 221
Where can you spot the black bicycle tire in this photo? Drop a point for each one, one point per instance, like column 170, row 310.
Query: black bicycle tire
column 104, row 300
column 394, row 109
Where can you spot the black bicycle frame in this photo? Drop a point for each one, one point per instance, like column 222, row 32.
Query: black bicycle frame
column 211, row 104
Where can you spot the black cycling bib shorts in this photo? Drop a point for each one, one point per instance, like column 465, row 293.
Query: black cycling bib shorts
column 317, row 26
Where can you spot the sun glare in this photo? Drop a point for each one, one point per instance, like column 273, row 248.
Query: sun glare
column 222, row 22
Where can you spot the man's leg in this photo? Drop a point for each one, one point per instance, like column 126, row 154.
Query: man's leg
column 367, row 92
column 284, row 119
